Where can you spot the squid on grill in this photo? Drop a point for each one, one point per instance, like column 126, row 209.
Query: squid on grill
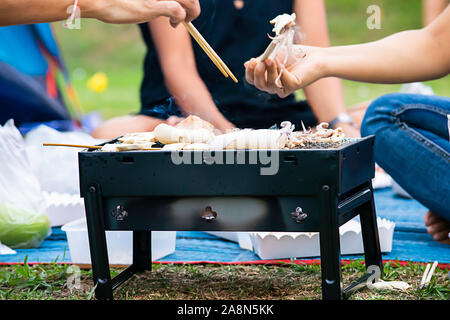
column 321, row 134
column 194, row 133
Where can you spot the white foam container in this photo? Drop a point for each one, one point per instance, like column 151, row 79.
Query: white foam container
column 119, row 243
column 282, row 245
column 62, row 208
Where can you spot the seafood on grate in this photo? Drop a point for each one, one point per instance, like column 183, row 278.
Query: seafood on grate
column 116, row 147
column 322, row 134
column 285, row 30
column 194, row 133
column 194, row 122
column 250, row 139
column 138, row 138
column 167, row 134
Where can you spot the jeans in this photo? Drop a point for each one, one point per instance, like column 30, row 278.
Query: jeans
column 412, row 144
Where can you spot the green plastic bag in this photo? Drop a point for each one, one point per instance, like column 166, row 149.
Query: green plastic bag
column 22, row 228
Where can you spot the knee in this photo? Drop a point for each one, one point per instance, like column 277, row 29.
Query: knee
column 379, row 114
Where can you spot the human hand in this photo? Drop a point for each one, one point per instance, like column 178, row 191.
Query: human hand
column 139, row 11
column 174, row 120
column 349, row 130
column 305, row 67
column 224, row 126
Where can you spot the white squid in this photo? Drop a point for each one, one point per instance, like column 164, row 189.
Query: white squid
column 285, row 31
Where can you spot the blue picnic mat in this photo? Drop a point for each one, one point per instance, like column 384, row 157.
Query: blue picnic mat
column 411, row 241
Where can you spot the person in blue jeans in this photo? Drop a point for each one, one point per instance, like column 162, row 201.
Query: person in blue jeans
column 412, row 131
column 413, row 145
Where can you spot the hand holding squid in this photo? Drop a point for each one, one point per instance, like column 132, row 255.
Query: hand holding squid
column 275, row 71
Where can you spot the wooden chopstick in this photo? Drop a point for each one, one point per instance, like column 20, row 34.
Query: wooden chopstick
column 70, row 145
column 209, row 50
column 85, row 147
column 209, row 53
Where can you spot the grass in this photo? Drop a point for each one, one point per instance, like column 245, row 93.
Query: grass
column 213, row 282
column 119, row 52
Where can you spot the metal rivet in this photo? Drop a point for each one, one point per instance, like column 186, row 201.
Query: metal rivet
column 298, row 215
column 119, row 213
column 326, row 188
column 92, row 189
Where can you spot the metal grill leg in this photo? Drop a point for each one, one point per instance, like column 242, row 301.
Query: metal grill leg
column 371, row 241
column 97, row 243
column 330, row 251
column 142, row 254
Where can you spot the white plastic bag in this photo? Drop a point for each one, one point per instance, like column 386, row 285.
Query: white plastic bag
column 22, row 221
column 6, row 250
column 56, row 168
column 18, row 184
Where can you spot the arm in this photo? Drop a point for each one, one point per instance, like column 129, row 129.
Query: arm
column 111, row 11
column 311, row 17
column 432, row 9
column 180, row 73
column 409, row 56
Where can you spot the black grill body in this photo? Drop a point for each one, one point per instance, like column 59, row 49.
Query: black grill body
column 312, row 191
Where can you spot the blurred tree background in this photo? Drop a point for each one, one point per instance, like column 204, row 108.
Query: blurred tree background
column 118, row 51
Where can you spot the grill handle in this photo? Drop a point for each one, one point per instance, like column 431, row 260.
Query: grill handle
column 298, row 215
column 208, row 214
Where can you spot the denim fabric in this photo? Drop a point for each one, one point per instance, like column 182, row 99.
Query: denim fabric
column 412, row 144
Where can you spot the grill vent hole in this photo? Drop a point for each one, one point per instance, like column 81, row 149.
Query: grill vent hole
column 291, row 159
column 127, row 159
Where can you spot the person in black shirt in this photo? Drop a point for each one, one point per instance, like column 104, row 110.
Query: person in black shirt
column 179, row 79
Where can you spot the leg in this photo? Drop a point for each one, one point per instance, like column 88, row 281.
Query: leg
column 330, row 251
column 142, row 254
column 97, row 244
column 357, row 112
column 412, row 145
column 370, row 236
column 117, row 127
column 148, row 118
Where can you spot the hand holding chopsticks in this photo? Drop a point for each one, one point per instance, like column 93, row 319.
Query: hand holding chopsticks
column 209, row 51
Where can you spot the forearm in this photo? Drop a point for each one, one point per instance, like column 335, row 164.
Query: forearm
column 30, row 11
column 110, row 11
column 51, row 10
column 404, row 57
column 193, row 97
column 311, row 17
column 326, row 99
column 181, row 77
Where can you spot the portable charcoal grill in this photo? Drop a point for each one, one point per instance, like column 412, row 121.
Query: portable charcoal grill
column 315, row 190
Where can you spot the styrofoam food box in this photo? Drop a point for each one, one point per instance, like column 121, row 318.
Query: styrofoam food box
column 62, row 208
column 119, row 243
column 281, row 245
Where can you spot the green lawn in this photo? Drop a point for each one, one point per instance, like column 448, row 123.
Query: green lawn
column 191, row 282
column 119, row 51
